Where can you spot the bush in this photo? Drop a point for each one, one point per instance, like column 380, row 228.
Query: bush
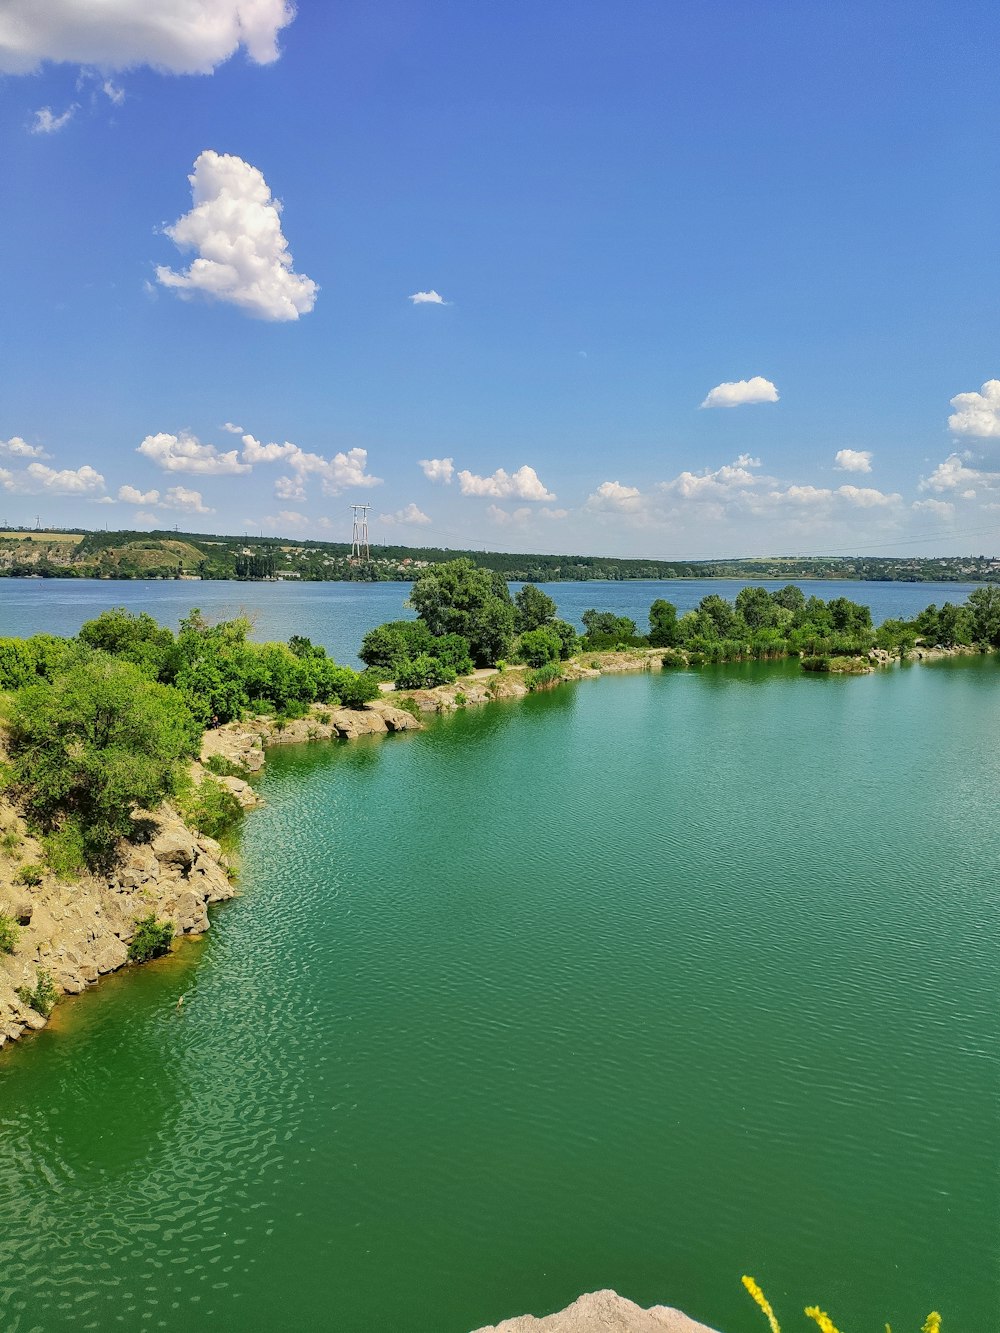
column 151, row 939
column 9, row 933
column 32, row 875
column 409, row 706
column 17, row 664
column 815, row 663
column 43, row 998
column 673, row 657
column 537, row 647
column 10, row 841
column 544, row 678
column 95, row 744
column 210, row 808
column 356, row 688
column 66, row 849
column 423, row 672
column 225, row 768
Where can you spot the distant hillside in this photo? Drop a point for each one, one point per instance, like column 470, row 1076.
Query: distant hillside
column 171, row 555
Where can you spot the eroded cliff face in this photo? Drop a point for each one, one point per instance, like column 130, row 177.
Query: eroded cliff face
column 603, row 1312
column 80, row 929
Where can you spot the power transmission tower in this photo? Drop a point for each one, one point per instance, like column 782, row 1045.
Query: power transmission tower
column 360, row 553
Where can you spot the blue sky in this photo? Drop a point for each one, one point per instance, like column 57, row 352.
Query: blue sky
column 623, row 208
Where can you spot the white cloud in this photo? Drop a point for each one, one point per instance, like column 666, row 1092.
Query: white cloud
column 175, row 36
column 438, row 469
column 867, row 497
column 853, row 460
column 132, row 496
column 47, row 122
column 185, row 453
column 178, row 497
column 717, row 485
column 112, row 92
column 977, row 414
column 242, row 254
column 144, row 519
column 427, row 298
column 952, row 475
column 733, row 393
column 286, row 518
column 15, row 447
column 231, row 428
column 336, row 474
column 411, row 514
column 546, row 512
column 858, row 497
column 524, row 484
column 611, row 495
column 37, row 479
column 936, row 508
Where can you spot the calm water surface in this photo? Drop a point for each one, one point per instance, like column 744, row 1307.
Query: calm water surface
column 646, row 982
column 338, row 614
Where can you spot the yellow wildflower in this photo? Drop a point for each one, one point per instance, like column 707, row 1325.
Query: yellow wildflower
column 762, row 1301
column 932, row 1323
column 824, row 1320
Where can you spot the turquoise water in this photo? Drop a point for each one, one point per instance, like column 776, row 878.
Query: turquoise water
column 338, row 614
column 646, row 982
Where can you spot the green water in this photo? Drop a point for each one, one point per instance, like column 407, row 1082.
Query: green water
column 646, row 982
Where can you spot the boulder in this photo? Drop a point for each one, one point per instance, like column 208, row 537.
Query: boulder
column 174, row 846
column 603, row 1312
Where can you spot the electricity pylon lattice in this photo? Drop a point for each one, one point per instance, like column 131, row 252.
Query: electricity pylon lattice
column 360, row 553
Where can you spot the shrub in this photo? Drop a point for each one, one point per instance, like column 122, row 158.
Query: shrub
column 225, row 768
column 210, row 808
column 409, row 706
column 10, row 841
column 66, row 849
column 31, row 875
column 673, row 657
column 696, row 658
column 354, row 689
column 17, row 664
column 151, row 939
column 536, row 647
column 544, row 678
column 423, row 672
column 95, row 744
column 9, row 933
column 815, row 663
column 43, row 998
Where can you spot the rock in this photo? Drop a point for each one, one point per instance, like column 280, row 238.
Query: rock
column 243, row 792
column 396, row 719
column 174, row 846
column 603, row 1312
column 112, row 954
column 351, row 723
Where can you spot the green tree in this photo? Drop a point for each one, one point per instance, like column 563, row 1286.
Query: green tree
column 17, row 664
column 96, row 744
column 790, row 597
column 137, row 638
column 721, row 614
column 756, row 607
column 458, row 597
column 984, row 615
column 533, row 608
column 662, row 624
column 385, row 647
column 536, row 647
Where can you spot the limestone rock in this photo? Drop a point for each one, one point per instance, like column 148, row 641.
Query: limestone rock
column 174, row 845
column 243, row 792
column 603, row 1312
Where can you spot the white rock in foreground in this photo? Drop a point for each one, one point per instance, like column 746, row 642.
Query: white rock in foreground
column 603, row 1312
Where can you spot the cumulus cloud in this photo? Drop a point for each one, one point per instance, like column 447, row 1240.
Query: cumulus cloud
column 411, row 514
column 507, row 518
column 977, row 414
column 336, row 474
column 954, row 474
column 733, row 393
column 131, row 495
column 438, row 469
column 286, row 518
column 427, row 298
column 15, row 447
column 858, row 497
column 232, row 428
column 867, row 497
column 174, row 36
column 613, row 496
column 936, row 508
column 242, row 254
column 717, row 485
column 524, row 484
column 37, row 479
column 185, row 453
column 47, row 122
column 853, row 460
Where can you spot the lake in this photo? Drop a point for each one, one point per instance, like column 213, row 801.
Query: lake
column 336, row 615
column 645, row 982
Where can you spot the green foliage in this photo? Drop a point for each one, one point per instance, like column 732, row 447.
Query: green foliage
column 10, row 841
column 569, row 640
column 66, row 849
column 983, row 605
column 673, row 657
column 136, row 638
column 605, row 630
column 544, row 678
column 354, row 689
column 396, row 641
column 409, row 706
column 17, row 664
column 152, row 938
column 225, row 768
column 536, row 647
column 91, row 746
column 43, row 998
column 459, row 598
column 532, row 609
column 816, row 663
column 9, row 933
column 31, row 875
column 210, row 807
column 662, row 624
column 423, row 672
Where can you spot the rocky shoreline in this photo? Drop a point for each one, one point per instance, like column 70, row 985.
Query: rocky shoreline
column 603, row 1312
